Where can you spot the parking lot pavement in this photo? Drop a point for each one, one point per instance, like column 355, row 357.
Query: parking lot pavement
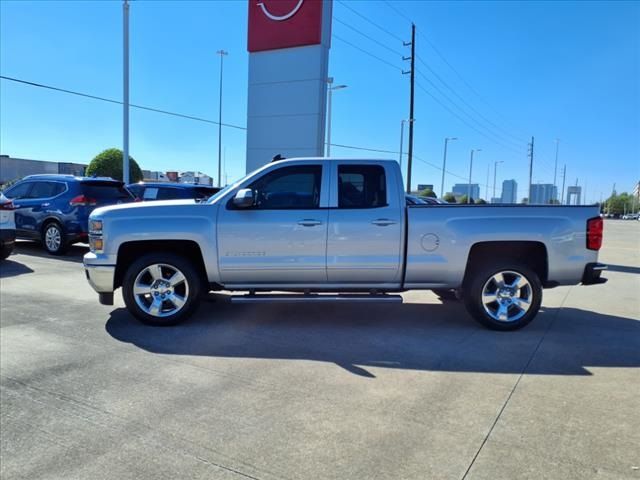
column 416, row 390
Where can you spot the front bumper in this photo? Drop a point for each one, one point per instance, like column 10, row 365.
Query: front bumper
column 592, row 274
column 101, row 279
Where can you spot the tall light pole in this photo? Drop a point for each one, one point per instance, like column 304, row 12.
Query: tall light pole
column 470, row 171
column 444, row 163
column 331, row 89
column 495, row 168
column 125, row 89
column 402, row 122
column 222, row 54
column 555, row 168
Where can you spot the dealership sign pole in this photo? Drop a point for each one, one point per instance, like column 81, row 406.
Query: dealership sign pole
column 288, row 43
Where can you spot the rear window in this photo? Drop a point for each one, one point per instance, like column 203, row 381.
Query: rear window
column 106, row 191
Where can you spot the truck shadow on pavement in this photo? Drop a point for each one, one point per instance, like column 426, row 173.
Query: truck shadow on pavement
column 361, row 339
column 11, row 268
column 35, row 249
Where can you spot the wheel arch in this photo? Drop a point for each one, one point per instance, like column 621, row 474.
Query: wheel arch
column 533, row 254
column 128, row 252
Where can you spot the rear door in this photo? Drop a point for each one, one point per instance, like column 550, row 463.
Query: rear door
column 365, row 225
column 282, row 239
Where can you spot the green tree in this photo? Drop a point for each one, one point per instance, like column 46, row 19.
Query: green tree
column 109, row 164
column 427, row 192
column 449, row 197
column 619, row 204
column 465, row 199
column 481, row 201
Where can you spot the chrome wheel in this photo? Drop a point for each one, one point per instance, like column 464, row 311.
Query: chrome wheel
column 161, row 290
column 507, row 296
column 53, row 238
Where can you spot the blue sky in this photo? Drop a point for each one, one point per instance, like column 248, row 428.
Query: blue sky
column 568, row 70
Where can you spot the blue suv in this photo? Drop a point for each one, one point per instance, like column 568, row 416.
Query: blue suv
column 54, row 209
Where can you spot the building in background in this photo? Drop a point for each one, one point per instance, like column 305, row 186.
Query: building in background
column 461, row 189
column 496, row 200
column 195, row 177
column 543, row 194
column 509, row 192
column 574, row 195
column 149, row 176
column 12, row 169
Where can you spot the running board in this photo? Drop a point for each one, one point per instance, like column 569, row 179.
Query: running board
column 314, row 297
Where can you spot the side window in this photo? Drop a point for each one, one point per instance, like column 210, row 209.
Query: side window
column 44, row 190
column 293, row 188
column 150, row 193
column 18, row 191
column 361, row 186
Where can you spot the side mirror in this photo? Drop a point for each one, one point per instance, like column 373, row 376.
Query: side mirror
column 244, row 198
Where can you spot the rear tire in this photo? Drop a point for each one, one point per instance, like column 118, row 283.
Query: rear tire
column 504, row 296
column 53, row 239
column 161, row 289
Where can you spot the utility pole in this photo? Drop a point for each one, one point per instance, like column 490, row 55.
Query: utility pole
column 222, row 54
column 530, row 168
column 470, row 172
column 555, row 168
column 401, row 142
column 125, row 89
column 411, row 97
column 564, row 175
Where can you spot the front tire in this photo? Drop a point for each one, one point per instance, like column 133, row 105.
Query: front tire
column 53, row 239
column 503, row 297
column 5, row 251
column 161, row 289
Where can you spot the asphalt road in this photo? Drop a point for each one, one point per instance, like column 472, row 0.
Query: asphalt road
column 411, row 391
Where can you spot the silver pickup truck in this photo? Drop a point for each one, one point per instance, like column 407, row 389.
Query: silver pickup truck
column 320, row 229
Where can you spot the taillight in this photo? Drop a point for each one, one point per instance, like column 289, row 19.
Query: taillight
column 595, row 227
column 7, row 206
column 82, row 201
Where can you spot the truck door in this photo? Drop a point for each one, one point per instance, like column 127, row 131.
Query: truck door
column 365, row 225
column 282, row 238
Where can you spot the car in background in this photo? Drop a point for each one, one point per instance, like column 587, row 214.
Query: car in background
column 55, row 209
column 416, row 200
column 147, row 191
column 7, row 226
column 630, row 216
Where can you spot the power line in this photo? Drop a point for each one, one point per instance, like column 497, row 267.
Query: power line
column 498, row 139
column 366, row 52
column 444, row 59
column 381, row 28
column 518, row 140
column 118, row 102
column 506, row 147
column 395, row 9
column 396, row 52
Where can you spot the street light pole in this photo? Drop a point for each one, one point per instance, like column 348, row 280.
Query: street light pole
column 444, row 163
column 495, row 168
column 402, row 122
column 222, row 54
column 125, row 101
column 330, row 99
column 470, row 171
column 555, row 168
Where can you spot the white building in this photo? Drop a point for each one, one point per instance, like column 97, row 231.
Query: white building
column 195, row 177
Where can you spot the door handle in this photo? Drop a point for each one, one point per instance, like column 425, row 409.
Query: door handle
column 383, row 222
column 308, row 222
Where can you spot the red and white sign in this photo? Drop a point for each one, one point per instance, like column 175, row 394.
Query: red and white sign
column 275, row 24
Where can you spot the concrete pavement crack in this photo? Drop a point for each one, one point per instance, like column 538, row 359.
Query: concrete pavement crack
column 515, row 385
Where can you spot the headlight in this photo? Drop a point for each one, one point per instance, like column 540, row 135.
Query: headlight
column 95, row 227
